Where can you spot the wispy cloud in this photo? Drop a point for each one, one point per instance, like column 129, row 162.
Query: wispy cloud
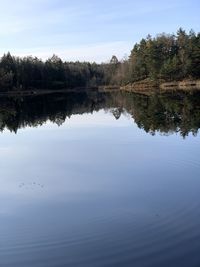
column 85, row 27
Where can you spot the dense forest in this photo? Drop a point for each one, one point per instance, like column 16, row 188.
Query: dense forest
column 166, row 57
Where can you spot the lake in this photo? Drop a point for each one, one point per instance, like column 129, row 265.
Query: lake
column 100, row 179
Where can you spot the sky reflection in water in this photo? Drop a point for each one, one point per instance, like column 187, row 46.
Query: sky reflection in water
column 97, row 191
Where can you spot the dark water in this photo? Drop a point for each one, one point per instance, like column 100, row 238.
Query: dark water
column 100, row 180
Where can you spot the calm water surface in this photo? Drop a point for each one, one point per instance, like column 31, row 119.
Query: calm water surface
column 95, row 180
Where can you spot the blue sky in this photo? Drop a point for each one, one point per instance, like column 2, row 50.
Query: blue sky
column 88, row 29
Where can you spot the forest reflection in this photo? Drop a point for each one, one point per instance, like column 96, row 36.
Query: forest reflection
column 162, row 113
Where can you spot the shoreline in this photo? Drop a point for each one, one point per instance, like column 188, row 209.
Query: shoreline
column 35, row 92
column 142, row 87
column 146, row 86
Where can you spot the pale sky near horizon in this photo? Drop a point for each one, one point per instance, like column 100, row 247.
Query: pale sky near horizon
column 89, row 30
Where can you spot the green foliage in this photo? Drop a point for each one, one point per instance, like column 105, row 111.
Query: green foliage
column 6, row 79
column 169, row 57
column 166, row 57
column 31, row 72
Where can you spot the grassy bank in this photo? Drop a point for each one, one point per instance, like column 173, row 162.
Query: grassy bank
column 147, row 86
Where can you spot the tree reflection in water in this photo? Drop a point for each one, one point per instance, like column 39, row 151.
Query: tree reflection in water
column 163, row 113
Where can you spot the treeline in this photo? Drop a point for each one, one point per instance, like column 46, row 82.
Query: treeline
column 31, row 72
column 165, row 57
